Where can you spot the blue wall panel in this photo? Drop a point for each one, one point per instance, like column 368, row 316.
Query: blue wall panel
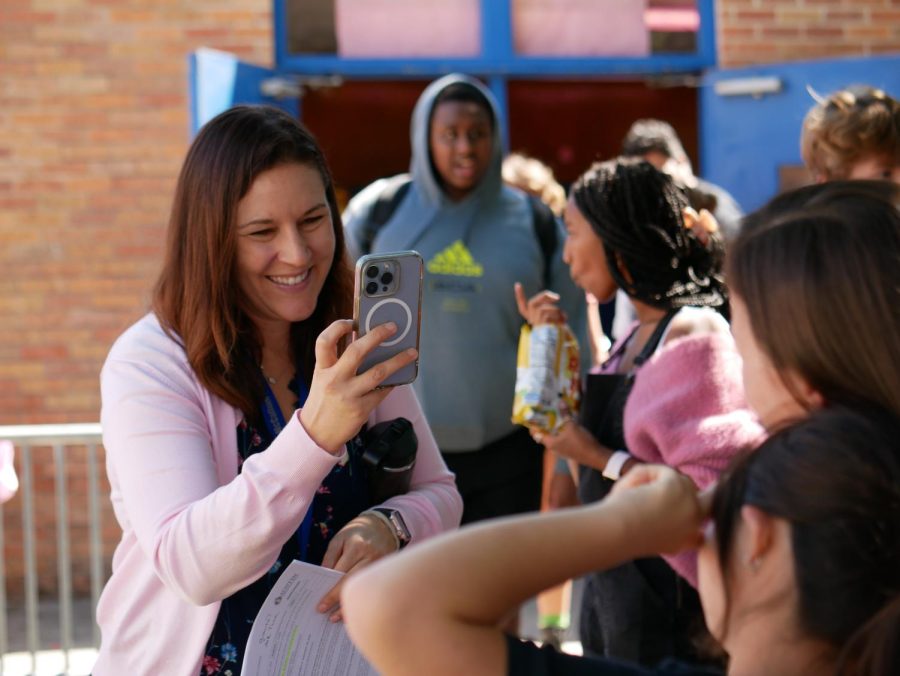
column 744, row 140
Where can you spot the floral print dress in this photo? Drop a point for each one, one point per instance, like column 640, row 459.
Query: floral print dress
column 344, row 493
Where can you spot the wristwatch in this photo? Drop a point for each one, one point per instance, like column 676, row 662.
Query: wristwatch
column 396, row 522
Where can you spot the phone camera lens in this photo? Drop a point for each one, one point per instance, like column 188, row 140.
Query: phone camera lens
column 387, row 278
column 372, row 272
column 372, row 288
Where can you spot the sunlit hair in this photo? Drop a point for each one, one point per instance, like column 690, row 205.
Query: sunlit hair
column 847, row 126
column 535, row 178
column 637, row 211
column 835, row 478
column 197, row 296
column 819, row 272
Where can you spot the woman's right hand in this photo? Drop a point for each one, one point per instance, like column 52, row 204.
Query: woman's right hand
column 340, row 401
column 542, row 308
column 572, row 441
column 664, row 509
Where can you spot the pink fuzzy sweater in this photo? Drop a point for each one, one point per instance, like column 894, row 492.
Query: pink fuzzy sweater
column 687, row 410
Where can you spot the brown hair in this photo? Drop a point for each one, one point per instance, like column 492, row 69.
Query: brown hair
column 536, row 178
column 847, row 126
column 835, row 478
column 197, row 296
column 819, row 272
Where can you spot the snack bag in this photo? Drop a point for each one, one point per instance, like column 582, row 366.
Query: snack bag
column 547, row 377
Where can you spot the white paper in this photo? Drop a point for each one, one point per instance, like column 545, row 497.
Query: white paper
column 290, row 638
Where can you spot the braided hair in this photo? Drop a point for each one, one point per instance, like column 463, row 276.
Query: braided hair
column 636, row 211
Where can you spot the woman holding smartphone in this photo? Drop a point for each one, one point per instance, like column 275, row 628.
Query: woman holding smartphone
column 231, row 412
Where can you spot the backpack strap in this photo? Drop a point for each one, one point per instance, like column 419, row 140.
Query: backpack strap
column 382, row 209
column 655, row 338
column 546, row 232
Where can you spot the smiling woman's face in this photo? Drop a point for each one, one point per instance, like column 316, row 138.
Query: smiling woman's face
column 285, row 245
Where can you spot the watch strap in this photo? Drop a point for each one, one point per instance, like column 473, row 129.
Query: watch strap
column 614, row 465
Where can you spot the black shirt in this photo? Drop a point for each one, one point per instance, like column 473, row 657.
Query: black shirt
column 526, row 659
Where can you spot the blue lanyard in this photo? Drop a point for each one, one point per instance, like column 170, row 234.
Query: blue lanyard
column 274, row 421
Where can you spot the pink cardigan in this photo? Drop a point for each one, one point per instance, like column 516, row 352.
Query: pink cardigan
column 171, row 456
column 687, row 410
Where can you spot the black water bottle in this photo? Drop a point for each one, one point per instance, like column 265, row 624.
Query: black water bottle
column 390, row 456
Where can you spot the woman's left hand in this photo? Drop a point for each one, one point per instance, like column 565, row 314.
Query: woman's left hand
column 340, row 399
column 542, row 308
column 364, row 540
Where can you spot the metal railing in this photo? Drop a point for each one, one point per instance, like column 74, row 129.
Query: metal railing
column 58, row 437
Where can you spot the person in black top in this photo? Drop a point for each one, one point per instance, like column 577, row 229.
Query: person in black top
column 799, row 564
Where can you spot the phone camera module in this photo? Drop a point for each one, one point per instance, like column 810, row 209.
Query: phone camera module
column 372, row 272
column 372, row 288
column 387, row 278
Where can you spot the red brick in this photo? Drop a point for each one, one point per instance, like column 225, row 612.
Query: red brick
column 780, row 32
column 758, row 16
column 825, row 32
column 870, row 33
column 844, row 15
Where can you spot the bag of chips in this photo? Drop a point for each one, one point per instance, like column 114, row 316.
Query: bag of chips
column 548, row 378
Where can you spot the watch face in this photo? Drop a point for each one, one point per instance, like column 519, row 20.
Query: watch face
column 400, row 526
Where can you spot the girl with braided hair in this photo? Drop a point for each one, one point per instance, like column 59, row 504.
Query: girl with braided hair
column 669, row 393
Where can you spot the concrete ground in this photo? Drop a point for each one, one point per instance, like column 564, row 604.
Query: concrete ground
column 52, row 661
column 49, row 625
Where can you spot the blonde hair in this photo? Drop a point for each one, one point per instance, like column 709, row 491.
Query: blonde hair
column 847, row 126
column 535, row 178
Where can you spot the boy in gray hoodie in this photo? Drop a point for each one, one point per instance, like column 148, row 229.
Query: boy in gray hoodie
column 477, row 237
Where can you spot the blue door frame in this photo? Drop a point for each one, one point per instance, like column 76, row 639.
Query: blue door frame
column 218, row 80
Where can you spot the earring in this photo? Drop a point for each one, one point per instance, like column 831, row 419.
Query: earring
column 755, row 563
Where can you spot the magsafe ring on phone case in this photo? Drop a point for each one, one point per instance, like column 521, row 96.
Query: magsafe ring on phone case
column 388, row 288
column 403, row 327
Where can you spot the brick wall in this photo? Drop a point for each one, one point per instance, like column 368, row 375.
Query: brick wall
column 93, row 127
column 766, row 31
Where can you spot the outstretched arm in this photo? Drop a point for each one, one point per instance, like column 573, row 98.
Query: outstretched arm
column 436, row 609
